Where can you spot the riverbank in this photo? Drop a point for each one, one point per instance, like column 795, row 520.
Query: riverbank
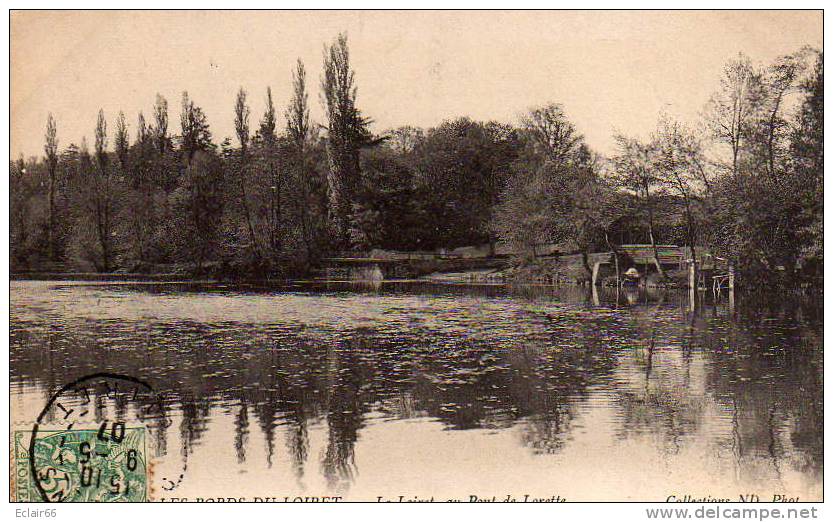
column 477, row 264
column 559, row 271
column 97, row 276
column 567, row 270
column 207, row 272
column 507, row 275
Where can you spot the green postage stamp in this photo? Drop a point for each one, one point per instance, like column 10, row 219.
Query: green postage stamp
column 81, row 465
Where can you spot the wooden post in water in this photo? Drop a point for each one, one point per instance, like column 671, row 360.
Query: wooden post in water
column 643, row 280
column 692, row 283
column 731, row 289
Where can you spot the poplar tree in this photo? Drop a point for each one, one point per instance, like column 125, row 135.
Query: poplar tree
column 241, row 127
column 50, row 148
column 347, row 132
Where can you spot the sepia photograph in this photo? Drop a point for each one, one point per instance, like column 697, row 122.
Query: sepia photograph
column 394, row 256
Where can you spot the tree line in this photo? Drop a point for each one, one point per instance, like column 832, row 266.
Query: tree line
column 746, row 182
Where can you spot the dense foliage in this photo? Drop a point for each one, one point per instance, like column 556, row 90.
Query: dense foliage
column 747, row 183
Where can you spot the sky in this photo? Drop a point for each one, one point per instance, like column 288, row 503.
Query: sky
column 612, row 71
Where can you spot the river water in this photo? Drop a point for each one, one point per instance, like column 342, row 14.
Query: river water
column 424, row 390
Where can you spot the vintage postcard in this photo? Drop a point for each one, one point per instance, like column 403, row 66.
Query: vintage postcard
column 416, row 256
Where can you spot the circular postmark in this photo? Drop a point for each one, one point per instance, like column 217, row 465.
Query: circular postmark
column 89, row 443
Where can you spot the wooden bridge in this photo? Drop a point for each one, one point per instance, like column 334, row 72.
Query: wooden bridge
column 716, row 270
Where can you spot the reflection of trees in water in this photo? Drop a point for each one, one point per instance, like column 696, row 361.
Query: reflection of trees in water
column 298, row 401
column 345, row 405
column 282, row 379
column 195, row 418
column 762, row 367
column 241, row 430
column 554, row 374
column 285, row 378
column 659, row 395
column 767, row 367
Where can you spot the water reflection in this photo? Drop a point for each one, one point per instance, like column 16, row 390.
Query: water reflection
column 702, row 391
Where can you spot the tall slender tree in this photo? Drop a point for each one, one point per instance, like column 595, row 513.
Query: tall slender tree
column 268, row 124
column 121, row 141
column 298, row 130
column 297, row 114
column 141, row 221
column 103, row 195
column 268, row 138
column 160, row 128
column 101, row 143
column 50, row 148
column 241, row 127
column 195, row 131
column 347, row 132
